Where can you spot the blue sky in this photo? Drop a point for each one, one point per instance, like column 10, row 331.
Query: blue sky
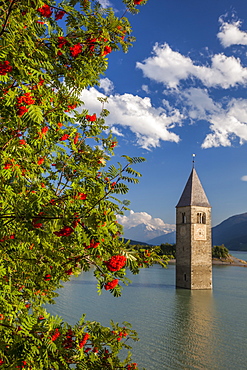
column 181, row 89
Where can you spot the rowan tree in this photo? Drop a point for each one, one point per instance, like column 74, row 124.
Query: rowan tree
column 58, row 188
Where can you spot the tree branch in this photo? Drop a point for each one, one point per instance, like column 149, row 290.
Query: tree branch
column 12, row 2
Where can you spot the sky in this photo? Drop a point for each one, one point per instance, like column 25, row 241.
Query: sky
column 181, row 90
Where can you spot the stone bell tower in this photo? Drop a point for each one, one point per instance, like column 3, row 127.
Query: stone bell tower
column 193, row 237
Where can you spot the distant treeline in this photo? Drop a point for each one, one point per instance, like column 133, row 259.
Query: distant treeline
column 169, row 250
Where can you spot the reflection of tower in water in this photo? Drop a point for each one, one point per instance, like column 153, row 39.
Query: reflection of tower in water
column 191, row 339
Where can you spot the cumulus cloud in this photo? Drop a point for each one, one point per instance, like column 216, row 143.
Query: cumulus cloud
column 149, row 124
column 244, row 178
column 170, row 67
column 106, row 85
column 104, row 3
column 230, row 34
column 137, row 218
column 166, row 66
column 199, row 105
column 116, row 131
column 228, row 120
column 228, row 124
column 145, row 88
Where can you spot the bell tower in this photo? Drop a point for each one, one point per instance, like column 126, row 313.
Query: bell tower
column 193, row 237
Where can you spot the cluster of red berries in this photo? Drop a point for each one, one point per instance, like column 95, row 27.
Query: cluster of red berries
column 91, row 118
column 111, row 284
column 64, row 137
column 115, row 263
column 24, row 363
column 76, row 138
column 5, row 67
column 22, row 141
column 84, row 340
column 68, row 342
column 7, row 237
column 70, row 107
column 61, row 42
column 65, row 231
column 44, row 130
column 69, row 272
column 40, row 161
column 59, row 15
column 55, row 335
column 75, row 50
column 35, row 221
column 120, row 335
column 92, row 244
column 9, row 165
column 47, row 277
column 107, row 50
column 132, row 366
column 94, row 41
column 81, row 196
column 26, row 99
column 45, row 10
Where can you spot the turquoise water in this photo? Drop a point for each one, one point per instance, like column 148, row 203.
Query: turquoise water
column 239, row 254
column 178, row 329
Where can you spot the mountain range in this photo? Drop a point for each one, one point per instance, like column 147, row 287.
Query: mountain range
column 146, row 232
column 232, row 232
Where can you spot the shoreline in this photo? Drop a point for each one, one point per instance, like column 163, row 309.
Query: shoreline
column 231, row 261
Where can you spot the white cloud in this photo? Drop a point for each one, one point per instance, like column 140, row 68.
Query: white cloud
column 199, row 104
column 104, row 3
column 225, row 72
column 166, row 66
column 149, row 124
column 227, row 118
column 116, row 131
column 244, row 178
column 106, row 85
column 137, row 218
column 228, row 124
column 145, row 88
column 228, row 121
column 230, row 34
column 170, row 67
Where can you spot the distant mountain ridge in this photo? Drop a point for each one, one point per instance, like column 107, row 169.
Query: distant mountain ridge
column 146, row 232
column 165, row 238
column 231, row 232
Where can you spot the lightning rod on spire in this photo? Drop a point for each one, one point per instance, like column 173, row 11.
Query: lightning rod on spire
column 193, row 160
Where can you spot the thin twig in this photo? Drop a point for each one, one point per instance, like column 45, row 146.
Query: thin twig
column 7, row 17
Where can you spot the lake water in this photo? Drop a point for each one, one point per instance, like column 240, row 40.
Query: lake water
column 178, row 329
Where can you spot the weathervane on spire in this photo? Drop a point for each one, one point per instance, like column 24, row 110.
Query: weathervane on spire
column 193, row 160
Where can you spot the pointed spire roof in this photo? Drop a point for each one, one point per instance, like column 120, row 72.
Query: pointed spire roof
column 193, row 194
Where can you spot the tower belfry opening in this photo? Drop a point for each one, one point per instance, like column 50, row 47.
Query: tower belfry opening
column 193, row 237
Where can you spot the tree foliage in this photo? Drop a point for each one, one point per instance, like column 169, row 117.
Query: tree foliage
column 220, row 251
column 58, row 195
column 168, row 249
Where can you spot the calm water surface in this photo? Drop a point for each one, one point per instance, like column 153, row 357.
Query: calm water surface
column 178, row 329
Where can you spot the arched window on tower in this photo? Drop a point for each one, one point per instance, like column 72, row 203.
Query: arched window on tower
column 183, row 218
column 201, row 218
